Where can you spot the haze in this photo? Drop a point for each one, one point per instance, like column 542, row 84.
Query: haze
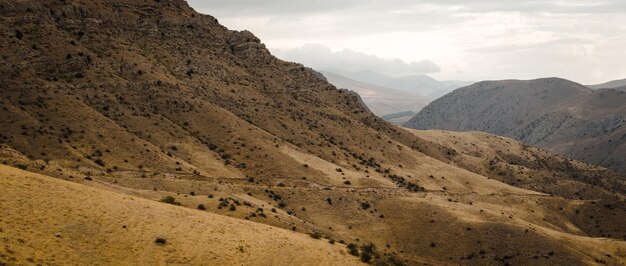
column 449, row 40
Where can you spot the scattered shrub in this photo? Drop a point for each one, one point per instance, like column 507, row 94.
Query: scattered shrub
column 99, row 162
column 170, row 200
column 201, row 207
column 160, row 241
column 316, row 235
column 352, row 248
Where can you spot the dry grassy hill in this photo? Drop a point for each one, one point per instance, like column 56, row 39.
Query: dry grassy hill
column 49, row 221
column 150, row 100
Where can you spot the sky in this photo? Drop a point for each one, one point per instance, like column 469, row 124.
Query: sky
column 584, row 41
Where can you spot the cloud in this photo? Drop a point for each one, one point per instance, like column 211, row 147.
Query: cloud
column 323, row 58
column 468, row 40
column 284, row 7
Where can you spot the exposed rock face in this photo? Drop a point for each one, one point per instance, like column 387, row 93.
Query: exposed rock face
column 555, row 114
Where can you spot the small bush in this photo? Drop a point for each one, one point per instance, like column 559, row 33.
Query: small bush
column 352, row 248
column 368, row 251
column 201, row 207
column 160, row 241
column 366, row 257
column 170, row 200
column 316, row 235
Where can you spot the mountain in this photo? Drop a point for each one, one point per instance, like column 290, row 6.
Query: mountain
column 143, row 132
column 380, row 100
column 559, row 115
column 399, row 118
column 417, row 84
column 615, row 84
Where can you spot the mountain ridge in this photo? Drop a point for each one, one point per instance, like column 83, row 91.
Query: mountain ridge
column 552, row 113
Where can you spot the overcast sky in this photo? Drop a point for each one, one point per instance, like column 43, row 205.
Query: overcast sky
column 584, row 41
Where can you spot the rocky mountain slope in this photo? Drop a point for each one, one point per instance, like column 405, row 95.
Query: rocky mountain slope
column 209, row 140
column 558, row 115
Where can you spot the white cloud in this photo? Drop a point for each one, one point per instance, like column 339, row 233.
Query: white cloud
column 481, row 39
column 323, row 58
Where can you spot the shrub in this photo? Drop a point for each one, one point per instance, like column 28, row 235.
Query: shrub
column 368, row 252
column 316, row 235
column 170, row 200
column 354, row 251
column 232, row 208
column 366, row 257
column 99, row 162
column 160, row 241
column 201, row 207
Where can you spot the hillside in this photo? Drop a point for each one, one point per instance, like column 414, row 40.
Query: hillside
column 558, row 115
column 78, row 224
column 614, row 84
column 135, row 101
column 380, row 100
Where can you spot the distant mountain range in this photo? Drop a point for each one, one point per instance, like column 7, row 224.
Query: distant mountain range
column 395, row 99
column 619, row 84
column 556, row 114
column 418, row 84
